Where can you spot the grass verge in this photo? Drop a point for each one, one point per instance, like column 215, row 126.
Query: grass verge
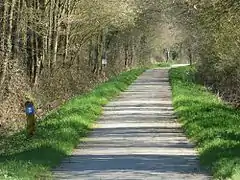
column 209, row 122
column 163, row 64
column 58, row 133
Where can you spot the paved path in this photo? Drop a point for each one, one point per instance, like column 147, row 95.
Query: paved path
column 136, row 138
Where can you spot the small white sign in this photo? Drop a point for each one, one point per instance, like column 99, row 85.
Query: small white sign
column 104, row 62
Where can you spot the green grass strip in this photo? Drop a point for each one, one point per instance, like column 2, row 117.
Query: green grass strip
column 59, row 133
column 162, row 64
column 209, row 122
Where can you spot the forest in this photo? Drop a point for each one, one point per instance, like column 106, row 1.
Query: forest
column 53, row 50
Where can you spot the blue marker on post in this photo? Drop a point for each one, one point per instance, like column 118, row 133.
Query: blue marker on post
column 29, row 109
column 31, row 121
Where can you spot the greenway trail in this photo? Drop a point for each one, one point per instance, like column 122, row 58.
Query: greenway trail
column 137, row 137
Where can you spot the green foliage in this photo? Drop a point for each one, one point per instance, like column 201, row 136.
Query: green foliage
column 210, row 123
column 212, row 33
column 58, row 133
column 162, row 65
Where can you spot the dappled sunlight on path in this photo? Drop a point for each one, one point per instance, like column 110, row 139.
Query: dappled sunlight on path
column 137, row 137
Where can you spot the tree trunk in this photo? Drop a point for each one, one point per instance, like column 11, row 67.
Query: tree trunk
column 67, row 31
column 50, row 39
column 96, row 57
column 55, row 34
column 100, row 52
column 9, row 31
column 190, row 56
column 90, row 58
column 126, row 54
